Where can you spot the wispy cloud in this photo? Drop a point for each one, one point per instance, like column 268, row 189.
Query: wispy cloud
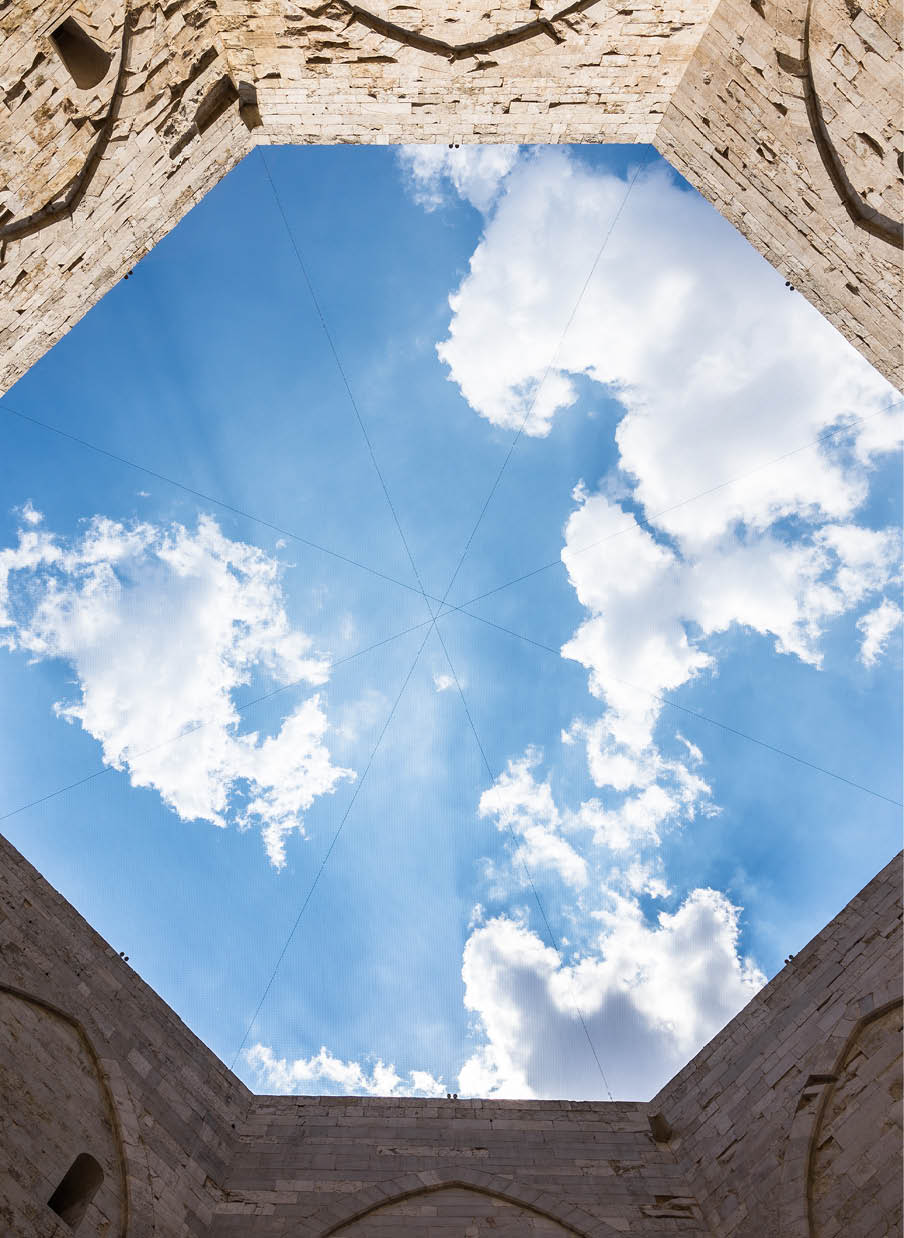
column 877, row 628
column 475, row 173
column 324, row 1072
column 525, row 806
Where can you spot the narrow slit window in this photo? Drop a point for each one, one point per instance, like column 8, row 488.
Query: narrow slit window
column 86, row 61
column 79, row 1186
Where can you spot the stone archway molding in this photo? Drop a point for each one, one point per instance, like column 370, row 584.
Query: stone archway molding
column 333, row 1218
column 546, row 26
column 137, row 1214
column 62, row 207
column 859, row 212
column 794, row 1203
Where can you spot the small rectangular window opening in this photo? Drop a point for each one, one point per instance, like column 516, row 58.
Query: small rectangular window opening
column 86, row 61
column 79, row 1186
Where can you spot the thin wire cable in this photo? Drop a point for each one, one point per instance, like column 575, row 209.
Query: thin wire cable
column 208, row 498
column 431, row 621
column 442, row 602
column 464, row 553
column 348, row 390
column 452, row 610
column 724, row 726
column 641, row 521
column 313, row 886
column 429, row 624
column 536, row 893
column 398, row 524
column 546, row 373
column 199, row 726
column 664, row 700
column 466, row 550
column 402, row 584
column 647, row 521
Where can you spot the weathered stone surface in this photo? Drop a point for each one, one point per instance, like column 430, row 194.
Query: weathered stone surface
column 474, row 1214
column 857, row 1146
column 59, row 1103
column 798, row 1098
column 743, row 127
column 754, row 101
column 744, row 1109
column 785, row 116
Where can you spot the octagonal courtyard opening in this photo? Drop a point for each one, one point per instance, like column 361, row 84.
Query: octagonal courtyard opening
column 483, row 538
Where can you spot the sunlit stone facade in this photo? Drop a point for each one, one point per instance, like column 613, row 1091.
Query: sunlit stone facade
column 785, row 115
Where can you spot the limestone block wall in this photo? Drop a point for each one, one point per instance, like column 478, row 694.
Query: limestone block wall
column 854, row 1155
column 53, row 1112
column 308, row 1164
column 789, row 120
column 456, row 1206
column 788, row 1123
column 93, row 1062
column 513, row 71
column 785, row 114
column 91, row 179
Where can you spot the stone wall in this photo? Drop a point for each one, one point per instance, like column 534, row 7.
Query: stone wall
column 516, row 71
column 595, row 1163
column 91, row 179
column 790, row 124
column 758, row 1113
column 783, row 113
column 856, row 1153
column 94, row 1062
column 56, row 1109
column 787, row 1125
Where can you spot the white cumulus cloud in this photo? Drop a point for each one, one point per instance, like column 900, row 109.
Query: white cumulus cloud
column 718, row 371
column 682, row 319
column 650, row 992
column 160, row 626
column 650, row 996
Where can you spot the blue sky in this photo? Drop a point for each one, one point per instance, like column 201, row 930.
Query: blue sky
column 648, row 355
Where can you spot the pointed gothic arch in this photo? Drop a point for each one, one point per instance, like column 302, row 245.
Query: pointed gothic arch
column 137, row 1213
column 330, row 1221
column 825, row 1073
